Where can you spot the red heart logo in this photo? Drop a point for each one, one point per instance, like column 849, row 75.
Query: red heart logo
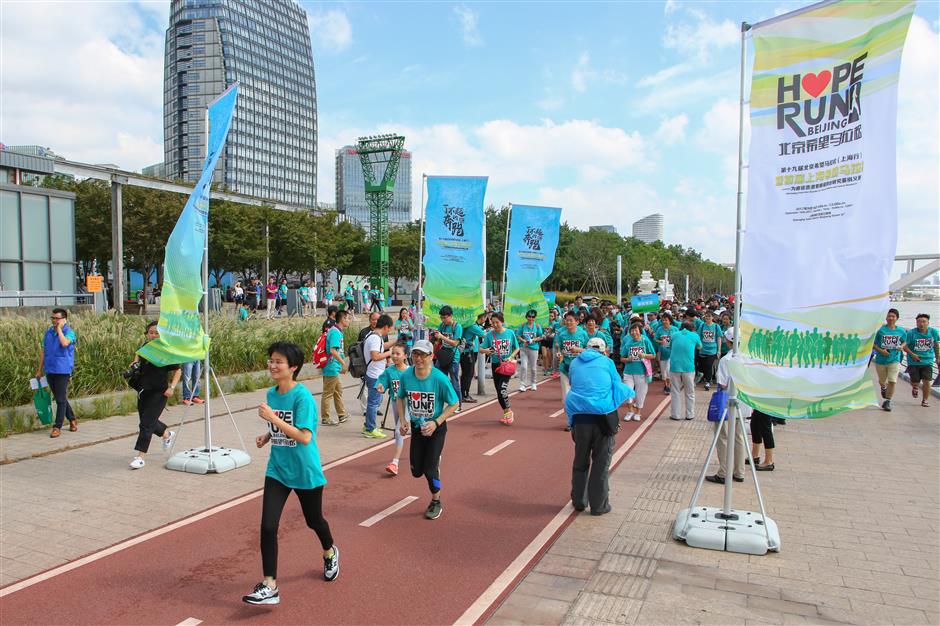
column 416, row 396
column 814, row 84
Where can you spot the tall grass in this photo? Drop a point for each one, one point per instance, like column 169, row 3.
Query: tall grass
column 106, row 344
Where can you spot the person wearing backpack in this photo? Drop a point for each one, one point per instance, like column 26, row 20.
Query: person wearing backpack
column 376, row 354
column 336, row 365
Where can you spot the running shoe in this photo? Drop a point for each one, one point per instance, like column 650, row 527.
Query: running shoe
column 555, row 375
column 170, row 438
column 708, row 386
column 331, row 565
column 667, row 391
column 886, row 405
column 137, row 463
column 342, row 419
column 534, row 387
column 522, row 388
column 506, row 419
column 198, row 400
column 374, row 434
column 637, row 417
column 628, row 417
column 262, row 594
column 470, row 400
column 434, row 510
column 392, row 468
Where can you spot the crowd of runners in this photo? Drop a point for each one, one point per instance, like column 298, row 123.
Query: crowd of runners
column 604, row 354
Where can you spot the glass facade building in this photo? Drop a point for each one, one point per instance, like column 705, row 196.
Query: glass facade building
column 264, row 45
column 649, row 229
column 351, row 189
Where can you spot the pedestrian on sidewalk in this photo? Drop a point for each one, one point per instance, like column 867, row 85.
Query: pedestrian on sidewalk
column 634, row 348
column 271, row 292
column 710, row 333
column 192, row 372
column 682, row 369
column 762, row 434
column 294, row 465
column 724, row 381
column 889, row 345
column 376, row 356
column 502, row 347
column 923, row 347
column 570, row 341
column 530, row 336
column 151, row 401
column 335, row 366
column 429, row 399
column 390, row 380
column 57, row 360
column 472, row 335
column 591, row 407
column 349, row 297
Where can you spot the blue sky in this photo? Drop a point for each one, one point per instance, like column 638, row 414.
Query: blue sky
column 609, row 110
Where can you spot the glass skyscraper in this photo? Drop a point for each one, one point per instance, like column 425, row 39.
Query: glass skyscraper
column 271, row 151
column 351, row 189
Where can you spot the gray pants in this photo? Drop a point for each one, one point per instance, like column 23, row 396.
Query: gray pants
column 739, row 452
column 529, row 360
column 683, row 385
column 589, row 472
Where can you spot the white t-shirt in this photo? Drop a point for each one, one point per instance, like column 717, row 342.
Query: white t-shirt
column 374, row 343
column 724, row 378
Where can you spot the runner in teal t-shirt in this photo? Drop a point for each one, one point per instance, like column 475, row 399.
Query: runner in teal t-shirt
column 923, row 346
column 501, row 345
column 890, row 345
column 570, row 341
column 662, row 339
column 390, row 380
column 294, row 465
column 429, row 399
column 334, row 340
column 710, row 333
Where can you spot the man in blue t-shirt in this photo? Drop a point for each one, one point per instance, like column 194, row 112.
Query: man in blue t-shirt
column 332, row 389
column 923, row 347
column 57, row 360
column 682, row 368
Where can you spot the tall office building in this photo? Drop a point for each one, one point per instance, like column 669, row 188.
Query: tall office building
column 351, row 189
column 649, row 229
column 264, row 45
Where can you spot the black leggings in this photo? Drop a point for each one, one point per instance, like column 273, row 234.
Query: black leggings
column 707, row 365
column 59, row 384
column 275, row 496
column 762, row 429
column 426, row 455
column 467, row 363
column 502, row 387
column 150, row 405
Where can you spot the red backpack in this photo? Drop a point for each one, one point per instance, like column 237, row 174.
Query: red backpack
column 320, row 356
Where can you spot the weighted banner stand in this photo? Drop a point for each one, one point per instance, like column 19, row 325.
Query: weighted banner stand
column 208, row 459
column 725, row 528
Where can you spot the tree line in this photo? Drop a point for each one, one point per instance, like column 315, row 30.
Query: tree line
column 300, row 244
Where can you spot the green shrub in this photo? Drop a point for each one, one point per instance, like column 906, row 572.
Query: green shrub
column 106, row 343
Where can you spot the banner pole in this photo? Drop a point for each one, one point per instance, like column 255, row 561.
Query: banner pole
column 420, row 314
column 205, row 321
column 506, row 259
column 619, row 279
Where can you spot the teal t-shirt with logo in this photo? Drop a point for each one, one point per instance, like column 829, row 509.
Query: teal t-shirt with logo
column 505, row 343
column 529, row 333
column 565, row 341
column 635, row 348
column 334, row 339
column 452, row 331
column 922, row 345
column 291, row 463
column 425, row 399
column 890, row 340
column 682, row 359
column 711, row 336
column 663, row 339
column 390, row 379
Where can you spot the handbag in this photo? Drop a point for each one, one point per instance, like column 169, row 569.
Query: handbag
column 506, row 368
column 132, row 376
column 717, row 405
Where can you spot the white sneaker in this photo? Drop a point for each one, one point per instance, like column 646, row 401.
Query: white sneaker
column 168, row 441
column 522, row 388
column 628, row 417
column 262, row 594
column 636, row 417
column 534, row 387
column 137, row 463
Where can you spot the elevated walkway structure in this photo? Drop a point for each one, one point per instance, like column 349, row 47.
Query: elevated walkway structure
column 912, row 277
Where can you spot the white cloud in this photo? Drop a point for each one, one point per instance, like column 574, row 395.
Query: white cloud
column 94, row 92
column 697, row 37
column 330, row 31
column 583, row 74
column 468, row 19
column 672, row 129
column 665, row 74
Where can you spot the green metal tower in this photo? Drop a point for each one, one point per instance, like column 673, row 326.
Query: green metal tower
column 380, row 156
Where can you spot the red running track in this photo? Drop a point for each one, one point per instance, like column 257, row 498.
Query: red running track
column 403, row 569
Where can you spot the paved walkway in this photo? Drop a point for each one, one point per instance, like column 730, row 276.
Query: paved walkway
column 856, row 499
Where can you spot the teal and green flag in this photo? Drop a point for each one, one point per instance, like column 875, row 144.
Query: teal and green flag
column 182, row 337
column 533, row 239
column 454, row 247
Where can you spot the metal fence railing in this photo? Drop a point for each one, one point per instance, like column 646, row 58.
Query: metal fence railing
column 16, row 299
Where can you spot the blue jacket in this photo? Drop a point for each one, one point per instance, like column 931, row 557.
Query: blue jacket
column 56, row 359
column 596, row 387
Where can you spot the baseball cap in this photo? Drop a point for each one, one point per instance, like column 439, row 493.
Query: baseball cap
column 423, row 345
column 729, row 334
column 597, row 344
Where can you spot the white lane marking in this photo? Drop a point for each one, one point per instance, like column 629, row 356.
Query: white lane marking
column 378, row 517
column 190, row 621
column 482, row 604
column 493, row 451
column 186, row 521
column 557, row 413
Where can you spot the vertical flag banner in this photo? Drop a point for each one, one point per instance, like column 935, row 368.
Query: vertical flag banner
column 821, row 229
column 533, row 239
column 454, row 247
column 182, row 338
